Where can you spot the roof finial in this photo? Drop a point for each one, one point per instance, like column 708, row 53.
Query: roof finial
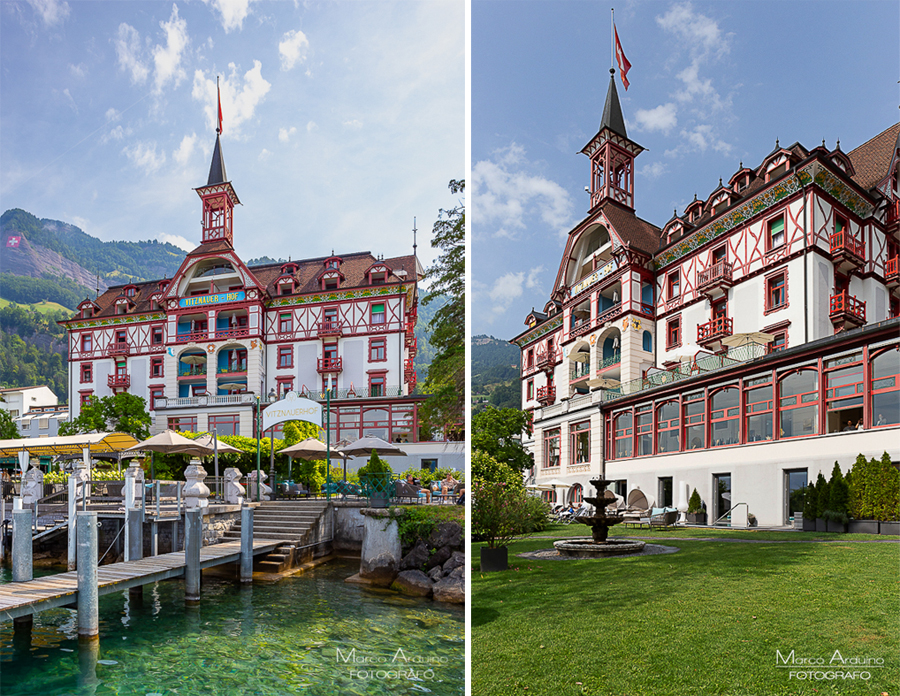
column 823, row 142
column 777, row 144
column 720, row 181
column 741, row 165
column 414, row 230
column 838, row 144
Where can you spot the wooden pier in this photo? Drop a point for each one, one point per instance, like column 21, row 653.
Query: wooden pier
column 18, row 599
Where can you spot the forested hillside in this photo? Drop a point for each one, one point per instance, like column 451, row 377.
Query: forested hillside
column 495, row 373
column 33, row 347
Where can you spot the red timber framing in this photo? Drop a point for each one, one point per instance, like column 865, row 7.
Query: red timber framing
column 831, row 387
column 344, row 317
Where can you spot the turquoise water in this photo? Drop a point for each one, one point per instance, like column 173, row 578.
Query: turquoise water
column 307, row 634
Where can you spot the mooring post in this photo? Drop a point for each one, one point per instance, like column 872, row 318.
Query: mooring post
column 193, row 539
column 73, row 502
column 154, row 538
column 246, row 544
column 134, row 537
column 88, row 606
column 21, row 546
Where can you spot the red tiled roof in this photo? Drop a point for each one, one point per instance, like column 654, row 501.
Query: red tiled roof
column 872, row 159
column 642, row 235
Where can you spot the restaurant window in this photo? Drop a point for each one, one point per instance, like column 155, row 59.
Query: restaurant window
column 886, row 388
column 724, row 417
column 622, row 434
column 775, row 236
column 551, row 448
column 285, row 323
column 580, row 443
column 694, row 410
column 758, row 409
column 377, row 313
column 183, row 424
column 226, row 424
column 844, row 396
column 798, row 403
column 87, row 372
column 667, row 429
column 643, row 428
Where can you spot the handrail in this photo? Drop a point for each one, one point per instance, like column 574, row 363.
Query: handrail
column 729, row 512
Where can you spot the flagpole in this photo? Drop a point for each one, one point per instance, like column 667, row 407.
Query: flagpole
column 612, row 39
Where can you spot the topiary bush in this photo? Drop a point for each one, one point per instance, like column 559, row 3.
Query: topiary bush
column 695, row 504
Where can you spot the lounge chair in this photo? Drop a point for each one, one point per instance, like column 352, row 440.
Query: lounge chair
column 663, row 518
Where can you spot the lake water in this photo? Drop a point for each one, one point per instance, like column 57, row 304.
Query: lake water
column 307, row 634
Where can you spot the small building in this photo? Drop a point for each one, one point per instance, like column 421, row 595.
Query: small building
column 42, row 421
column 20, row 400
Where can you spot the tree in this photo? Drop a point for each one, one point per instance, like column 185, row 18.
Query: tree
column 486, row 468
column 124, row 413
column 498, row 433
column 446, row 378
column 8, row 429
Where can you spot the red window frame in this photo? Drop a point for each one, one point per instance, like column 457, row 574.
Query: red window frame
column 842, row 397
column 529, row 359
column 285, row 357
column 726, row 414
column 377, row 383
column 377, row 350
column 770, row 223
column 643, row 430
column 757, row 403
column 381, row 316
column 156, row 367
column 156, row 336
column 329, row 381
column 550, row 459
column 787, row 403
column 885, row 383
column 87, row 343
column 693, row 416
column 776, row 291
column 577, row 494
column 181, row 424
column 779, row 341
column 673, row 332
column 225, row 422
column 719, row 254
column 87, row 373
column 156, row 392
column 673, row 284
column 284, row 385
column 671, row 424
column 623, row 432
column 85, row 396
column 285, row 322
column 576, row 429
column 529, row 390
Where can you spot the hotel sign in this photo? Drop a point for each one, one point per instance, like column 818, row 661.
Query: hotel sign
column 201, row 300
column 292, row 407
column 594, row 277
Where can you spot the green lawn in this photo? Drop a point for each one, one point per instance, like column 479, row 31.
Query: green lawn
column 704, row 621
column 43, row 307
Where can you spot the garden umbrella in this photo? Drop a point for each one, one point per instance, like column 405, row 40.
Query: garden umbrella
column 232, row 386
column 740, row 339
column 193, row 359
column 604, row 383
column 364, row 446
column 218, row 447
column 311, row 448
column 170, row 442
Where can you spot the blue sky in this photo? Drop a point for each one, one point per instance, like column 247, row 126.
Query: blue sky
column 712, row 84
column 342, row 120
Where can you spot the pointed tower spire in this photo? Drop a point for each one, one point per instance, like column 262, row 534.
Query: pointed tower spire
column 612, row 110
column 217, row 173
column 218, row 196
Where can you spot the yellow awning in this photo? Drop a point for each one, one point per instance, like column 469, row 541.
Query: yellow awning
column 97, row 443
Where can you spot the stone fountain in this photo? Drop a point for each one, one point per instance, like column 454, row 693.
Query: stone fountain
column 599, row 522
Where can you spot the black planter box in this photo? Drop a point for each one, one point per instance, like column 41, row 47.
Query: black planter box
column 696, row 517
column 809, row 525
column 820, row 524
column 493, row 560
column 832, row 526
column 863, row 527
column 889, row 528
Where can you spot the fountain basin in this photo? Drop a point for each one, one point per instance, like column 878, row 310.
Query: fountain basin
column 587, row 548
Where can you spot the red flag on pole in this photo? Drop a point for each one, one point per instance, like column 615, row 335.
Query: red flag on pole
column 624, row 65
column 219, row 96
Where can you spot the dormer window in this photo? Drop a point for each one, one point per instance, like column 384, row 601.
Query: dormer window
column 333, row 262
column 720, row 204
column 286, row 287
column 289, row 269
column 777, row 167
column 163, row 284
column 87, row 312
column 155, row 302
column 742, row 183
column 130, row 291
column 378, row 274
column 330, row 282
column 122, row 306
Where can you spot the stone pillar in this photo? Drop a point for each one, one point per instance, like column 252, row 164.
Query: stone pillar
column 264, row 489
column 193, row 540
column 134, row 484
column 77, row 489
column 379, row 561
column 32, row 486
column 196, row 493
column 88, row 606
column 134, row 534
column 234, row 491
column 247, row 544
column 22, row 546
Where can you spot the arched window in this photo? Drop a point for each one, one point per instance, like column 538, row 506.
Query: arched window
column 667, row 429
column 549, row 496
column 758, row 407
column 622, row 435
column 886, row 388
column 694, row 421
column 724, row 417
column 798, row 394
column 647, row 341
column 576, row 494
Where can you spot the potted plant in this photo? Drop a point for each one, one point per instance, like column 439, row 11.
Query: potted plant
column 375, row 478
column 751, row 520
column 810, row 504
column 695, row 512
column 500, row 513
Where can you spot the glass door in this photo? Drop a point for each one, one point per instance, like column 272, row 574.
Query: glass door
column 722, row 498
column 794, row 482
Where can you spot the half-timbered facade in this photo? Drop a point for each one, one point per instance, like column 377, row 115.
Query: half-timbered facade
column 739, row 348
column 202, row 346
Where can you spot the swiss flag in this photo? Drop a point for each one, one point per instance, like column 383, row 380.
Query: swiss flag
column 219, row 97
column 624, row 65
column 13, row 242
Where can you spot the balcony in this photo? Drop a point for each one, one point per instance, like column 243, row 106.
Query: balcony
column 120, row 381
column 162, row 403
column 715, row 279
column 546, row 395
column 329, row 328
column 891, row 274
column 580, row 371
column 193, row 337
column 609, row 314
column 847, row 252
column 329, row 364
column 237, row 332
column 846, row 312
column 547, row 360
column 235, row 368
column 611, row 361
column 192, row 371
column 893, row 215
column 120, row 348
column 581, row 327
column 715, row 330
column 412, row 344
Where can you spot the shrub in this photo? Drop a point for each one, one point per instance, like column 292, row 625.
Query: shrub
column 810, row 502
column 887, row 483
column 821, row 495
column 500, row 512
column 538, row 511
column 695, row 505
column 375, row 465
column 838, row 495
column 486, row 468
column 420, row 520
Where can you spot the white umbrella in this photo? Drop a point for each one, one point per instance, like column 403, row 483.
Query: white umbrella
column 170, row 442
column 741, row 339
column 580, row 356
column 224, row 448
column 556, row 483
column 364, row 446
column 604, row 383
column 232, row 386
column 193, row 359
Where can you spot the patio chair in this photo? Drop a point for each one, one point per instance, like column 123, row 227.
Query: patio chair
column 413, row 493
column 663, row 518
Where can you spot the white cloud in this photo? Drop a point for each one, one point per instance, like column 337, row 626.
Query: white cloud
column 167, row 59
column 284, row 134
column 144, row 156
column 264, row 155
column 311, row 126
column 186, row 149
column 177, row 240
column 292, row 49
column 71, row 100
column 510, row 286
column 233, row 12
column 698, row 31
column 506, row 193
column 653, row 170
column 128, row 50
column 112, row 115
column 662, row 118
column 77, row 70
column 51, row 11
column 355, row 124
column 240, row 96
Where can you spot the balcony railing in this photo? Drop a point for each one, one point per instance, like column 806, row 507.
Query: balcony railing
column 237, row 332
column 354, row 393
column 120, row 348
column 546, row 395
column 843, row 241
column 891, row 270
column 192, row 371
column 233, row 368
column 330, row 364
column 193, row 337
column 720, row 327
column 612, row 360
column 194, row 401
column 581, row 370
column 118, row 381
column 846, row 304
column 893, row 213
column 609, row 314
column 547, row 359
column 580, row 328
column 329, row 328
column 719, row 274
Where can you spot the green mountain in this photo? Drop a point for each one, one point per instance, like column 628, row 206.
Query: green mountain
column 495, row 373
